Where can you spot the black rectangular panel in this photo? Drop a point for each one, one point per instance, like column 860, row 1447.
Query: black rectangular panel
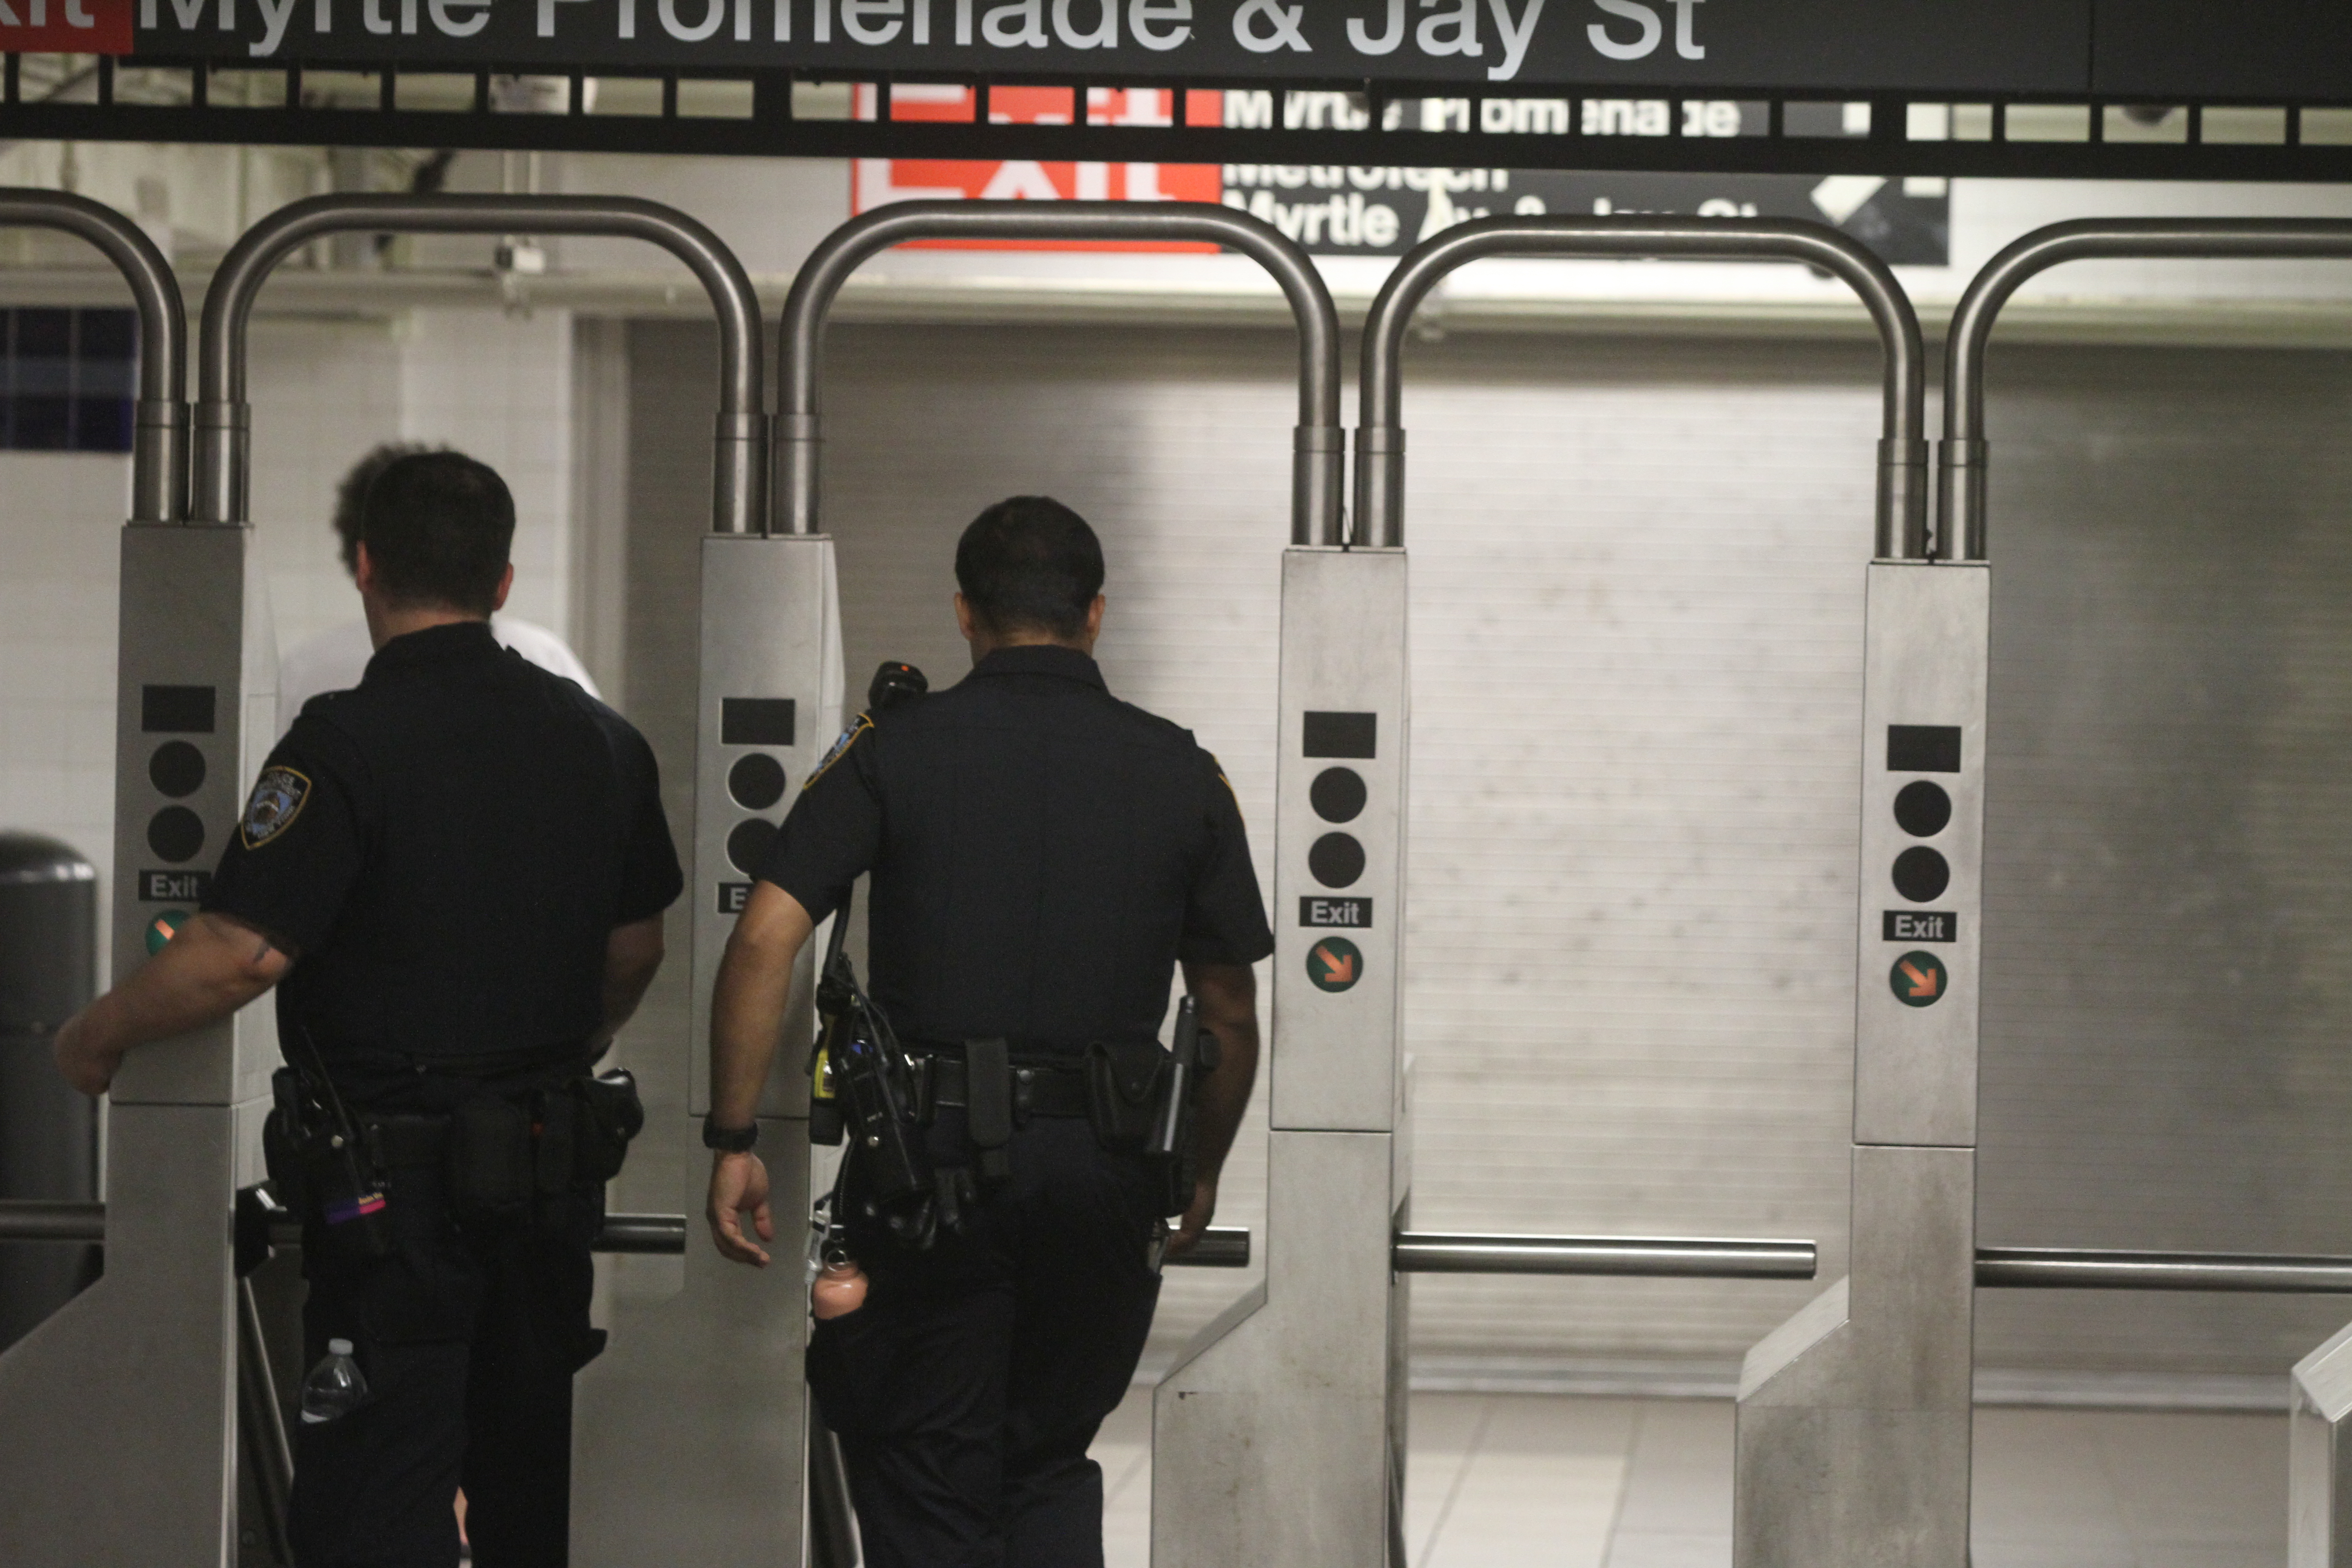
column 174, row 887
column 1920, row 925
column 1923, row 748
column 755, row 721
column 1832, row 46
column 2262, row 50
column 1350, row 914
column 1343, row 734
column 733, row 897
column 176, row 709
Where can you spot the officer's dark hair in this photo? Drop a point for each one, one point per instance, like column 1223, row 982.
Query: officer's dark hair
column 350, row 494
column 438, row 526
column 1030, row 563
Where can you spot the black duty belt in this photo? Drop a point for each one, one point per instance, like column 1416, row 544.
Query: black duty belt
column 1037, row 1090
column 395, row 1140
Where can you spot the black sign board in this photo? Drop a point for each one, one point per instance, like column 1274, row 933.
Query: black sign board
column 1920, row 925
column 1350, row 913
column 1981, row 46
column 733, row 897
column 173, row 886
column 1376, row 211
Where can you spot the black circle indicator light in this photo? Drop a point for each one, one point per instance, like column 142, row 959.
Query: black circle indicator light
column 747, row 845
column 177, row 769
column 1338, row 795
column 1922, row 809
column 1918, row 979
column 756, row 782
column 1337, row 859
column 175, row 834
column 1921, row 874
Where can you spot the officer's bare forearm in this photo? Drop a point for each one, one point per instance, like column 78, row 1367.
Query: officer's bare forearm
column 632, row 956
column 214, row 966
column 1226, row 997
column 746, row 1007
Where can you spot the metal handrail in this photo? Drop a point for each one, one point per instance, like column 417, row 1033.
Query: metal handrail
column 159, row 440
column 223, row 418
column 1902, row 525
column 1960, row 460
column 1318, row 445
column 1688, row 1257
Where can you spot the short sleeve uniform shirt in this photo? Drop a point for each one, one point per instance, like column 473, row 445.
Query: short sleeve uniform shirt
column 447, row 848
column 1043, row 855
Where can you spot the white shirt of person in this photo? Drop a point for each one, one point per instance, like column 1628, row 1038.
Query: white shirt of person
column 334, row 659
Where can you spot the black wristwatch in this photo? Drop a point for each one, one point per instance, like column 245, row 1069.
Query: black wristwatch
column 729, row 1139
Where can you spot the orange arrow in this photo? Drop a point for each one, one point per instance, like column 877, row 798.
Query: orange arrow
column 1339, row 971
column 1923, row 981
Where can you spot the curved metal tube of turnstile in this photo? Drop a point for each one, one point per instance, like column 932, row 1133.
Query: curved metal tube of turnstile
column 224, row 420
column 1902, row 528
column 159, row 450
column 1961, row 461
column 1314, row 501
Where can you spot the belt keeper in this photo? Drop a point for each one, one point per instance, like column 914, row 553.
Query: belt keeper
column 987, row 1104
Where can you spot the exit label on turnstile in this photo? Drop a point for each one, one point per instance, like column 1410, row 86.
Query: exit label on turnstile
column 1335, row 963
column 1919, row 980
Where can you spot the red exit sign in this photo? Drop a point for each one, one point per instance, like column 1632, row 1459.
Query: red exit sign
column 67, row 27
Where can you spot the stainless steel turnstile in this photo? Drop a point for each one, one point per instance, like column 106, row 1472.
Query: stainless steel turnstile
column 1186, row 1454
column 124, row 1414
column 116, row 1415
column 2320, row 1440
column 1279, row 1437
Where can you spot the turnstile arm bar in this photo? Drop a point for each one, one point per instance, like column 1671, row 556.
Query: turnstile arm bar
column 223, row 431
column 2077, row 1269
column 1421, row 1252
column 1317, row 458
column 159, row 442
column 1699, row 1257
column 1902, row 528
column 1961, row 465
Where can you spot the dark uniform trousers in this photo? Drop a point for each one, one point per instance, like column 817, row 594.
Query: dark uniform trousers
column 468, row 1340
column 969, row 1387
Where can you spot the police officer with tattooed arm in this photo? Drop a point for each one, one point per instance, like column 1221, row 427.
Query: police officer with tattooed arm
column 1042, row 858
column 455, row 876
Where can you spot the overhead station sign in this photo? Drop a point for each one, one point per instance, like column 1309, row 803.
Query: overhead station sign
column 1984, row 45
column 1377, row 209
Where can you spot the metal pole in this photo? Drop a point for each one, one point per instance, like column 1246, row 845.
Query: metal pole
column 2075, row 1269
column 1687, row 1258
column 223, row 418
column 263, row 1422
column 159, row 441
column 1902, row 528
column 1960, row 463
column 1315, row 501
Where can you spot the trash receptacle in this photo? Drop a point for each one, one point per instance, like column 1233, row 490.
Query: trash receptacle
column 48, row 1133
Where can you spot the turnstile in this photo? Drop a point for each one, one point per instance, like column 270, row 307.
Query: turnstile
column 117, row 1418
column 1188, row 1454
column 145, row 1475
column 2320, row 1438
column 1294, row 1400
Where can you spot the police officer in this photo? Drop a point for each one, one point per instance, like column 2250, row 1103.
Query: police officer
column 455, row 875
column 1043, row 857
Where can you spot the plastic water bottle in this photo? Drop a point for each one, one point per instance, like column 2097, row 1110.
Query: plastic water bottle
column 334, row 1386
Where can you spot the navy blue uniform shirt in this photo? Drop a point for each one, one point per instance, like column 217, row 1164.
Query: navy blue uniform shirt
column 447, row 847
column 1043, row 854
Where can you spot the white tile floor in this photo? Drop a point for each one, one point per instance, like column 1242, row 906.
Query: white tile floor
column 1500, row 1480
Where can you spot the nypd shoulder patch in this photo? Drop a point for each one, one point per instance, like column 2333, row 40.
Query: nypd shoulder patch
column 840, row 749
column 277, row 798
